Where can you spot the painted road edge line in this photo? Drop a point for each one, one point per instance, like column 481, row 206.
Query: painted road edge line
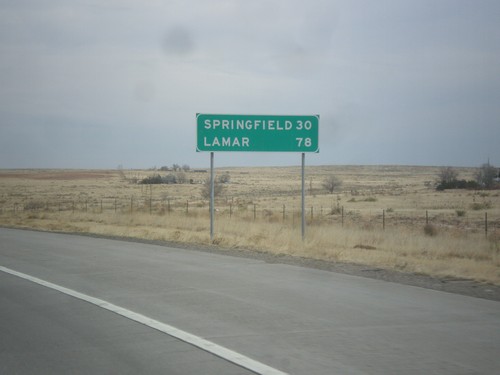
column 208, row 346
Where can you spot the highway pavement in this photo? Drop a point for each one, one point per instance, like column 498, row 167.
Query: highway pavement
column 292, row 319
column 47, row 332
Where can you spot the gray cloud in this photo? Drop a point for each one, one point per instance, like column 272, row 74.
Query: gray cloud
column 178, row 41
column 102, row 83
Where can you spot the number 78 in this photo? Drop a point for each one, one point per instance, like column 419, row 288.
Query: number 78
column 306, row 141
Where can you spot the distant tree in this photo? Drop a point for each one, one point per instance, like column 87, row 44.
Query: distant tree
column 448, row 179
column 181, row 178
column 205, row 188
column 164, row 168
column 120, row 171
column 486, row 176
column 169, row 179
column 186, row 167
column 447, row 175
column 331, row 183
column 176, row 167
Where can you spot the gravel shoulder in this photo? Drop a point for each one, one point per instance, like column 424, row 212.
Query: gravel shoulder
column 450, row 285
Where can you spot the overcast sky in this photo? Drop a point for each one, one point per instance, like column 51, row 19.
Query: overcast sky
column 97, row 84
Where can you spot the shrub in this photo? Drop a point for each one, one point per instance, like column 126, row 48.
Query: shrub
column 480, row 206
column 430, row 230
column 336, row 211
column 33, row 206
column 457, row 184
column 460, row 213
column 169, row 179
column 205, row 189
column 225, row 178
column 155, row 179
column 365, row 247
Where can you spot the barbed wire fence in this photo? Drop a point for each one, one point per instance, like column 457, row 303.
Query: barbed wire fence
column 245, row 209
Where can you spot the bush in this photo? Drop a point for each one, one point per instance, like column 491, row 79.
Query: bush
column 225, row 178
column 430, row 230
column 336, row 210
column 34, row 206
column 205, row 189
column 460, row 213
column 480, row 206
column 457, row 184
column 169, row 179
column 155, row 179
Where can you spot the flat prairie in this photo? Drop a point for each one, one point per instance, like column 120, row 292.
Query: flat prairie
column 389, row 217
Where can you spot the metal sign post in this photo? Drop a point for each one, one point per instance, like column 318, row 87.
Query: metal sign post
column 303, row 198
column 211, row 196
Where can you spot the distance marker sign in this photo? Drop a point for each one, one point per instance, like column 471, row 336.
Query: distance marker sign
column 257, row 133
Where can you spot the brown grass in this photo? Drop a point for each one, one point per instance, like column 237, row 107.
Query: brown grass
column 71, row 201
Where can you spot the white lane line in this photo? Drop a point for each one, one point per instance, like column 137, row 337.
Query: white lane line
column 219, row 351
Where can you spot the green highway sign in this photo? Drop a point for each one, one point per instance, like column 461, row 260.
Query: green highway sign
column 257, row 133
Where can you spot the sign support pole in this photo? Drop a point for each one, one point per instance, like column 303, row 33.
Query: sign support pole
column 303, row 197
column 211, row 196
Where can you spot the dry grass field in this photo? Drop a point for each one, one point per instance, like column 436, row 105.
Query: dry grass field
column 383, row 216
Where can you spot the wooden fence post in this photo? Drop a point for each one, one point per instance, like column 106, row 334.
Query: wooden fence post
column 486, row 224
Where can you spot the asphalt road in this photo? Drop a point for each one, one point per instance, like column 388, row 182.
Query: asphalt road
column 294, row 319
column 47, row 332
